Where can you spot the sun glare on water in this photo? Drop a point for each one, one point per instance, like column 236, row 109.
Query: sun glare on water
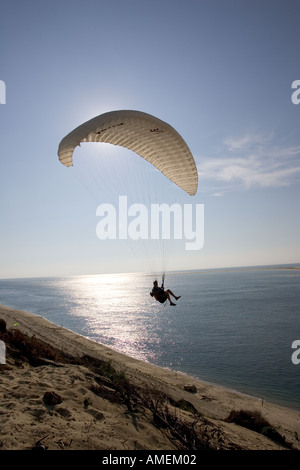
column 113, row 308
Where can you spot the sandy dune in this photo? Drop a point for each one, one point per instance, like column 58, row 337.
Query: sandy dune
column 70, row 393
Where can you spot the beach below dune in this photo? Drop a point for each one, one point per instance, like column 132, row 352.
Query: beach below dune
column 128, row 405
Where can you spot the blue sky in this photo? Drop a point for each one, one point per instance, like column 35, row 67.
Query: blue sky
column 219, row 71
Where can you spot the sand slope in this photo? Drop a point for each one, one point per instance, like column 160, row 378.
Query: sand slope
column 128, row 406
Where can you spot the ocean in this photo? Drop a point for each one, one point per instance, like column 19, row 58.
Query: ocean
column 231, row 327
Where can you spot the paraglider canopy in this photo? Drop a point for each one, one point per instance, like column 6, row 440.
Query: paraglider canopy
column 153, row 139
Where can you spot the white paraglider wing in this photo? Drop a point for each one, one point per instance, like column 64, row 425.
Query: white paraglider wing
column 153, row 139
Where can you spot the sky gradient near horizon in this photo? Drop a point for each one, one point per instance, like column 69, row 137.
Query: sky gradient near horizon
column 219, row 71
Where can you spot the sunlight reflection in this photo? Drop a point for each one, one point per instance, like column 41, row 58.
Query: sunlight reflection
column 113, row 308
